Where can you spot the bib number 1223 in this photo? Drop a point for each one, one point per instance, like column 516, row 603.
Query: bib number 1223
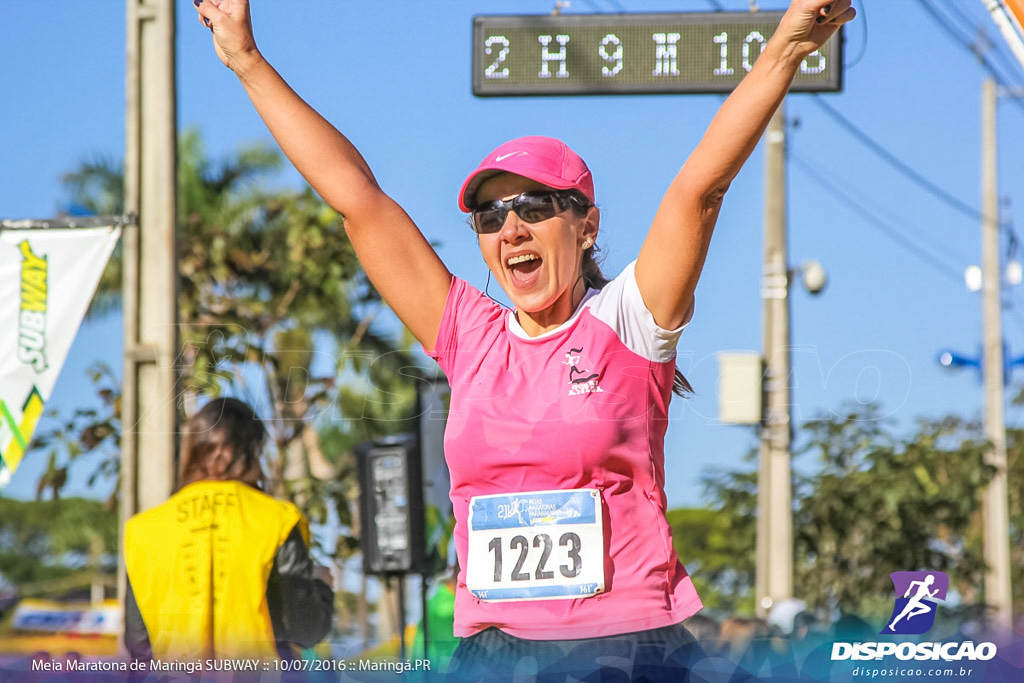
column 536, row 545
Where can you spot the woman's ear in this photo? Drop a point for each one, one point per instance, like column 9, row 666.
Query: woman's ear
column 591, row 226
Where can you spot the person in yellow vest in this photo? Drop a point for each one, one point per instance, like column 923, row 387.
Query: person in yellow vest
column 221, row 569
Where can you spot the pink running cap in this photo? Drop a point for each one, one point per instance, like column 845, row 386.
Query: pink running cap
column 546, row 160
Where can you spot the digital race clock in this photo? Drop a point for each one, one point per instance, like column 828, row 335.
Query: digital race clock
column 621, row 54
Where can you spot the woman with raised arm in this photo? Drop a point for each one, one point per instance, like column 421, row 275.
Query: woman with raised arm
column 555, row 437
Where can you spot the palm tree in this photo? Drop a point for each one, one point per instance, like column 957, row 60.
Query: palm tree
column 273, row 308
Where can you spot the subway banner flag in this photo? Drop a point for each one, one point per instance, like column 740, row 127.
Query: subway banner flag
column 47, row 279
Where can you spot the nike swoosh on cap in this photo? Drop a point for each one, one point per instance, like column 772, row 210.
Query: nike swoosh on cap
column 510, row 154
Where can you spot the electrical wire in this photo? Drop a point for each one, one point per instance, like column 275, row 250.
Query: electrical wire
column 1010, row 306
column 980, row 53
column 955, row 9
column 982, row 44
column 964, row 21
column 818, row 176
column 1015, row 315
column 892, row 160
column 1012, row 249
column 968, row 45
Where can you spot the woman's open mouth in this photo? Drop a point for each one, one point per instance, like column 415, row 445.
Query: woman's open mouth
column 523, row 269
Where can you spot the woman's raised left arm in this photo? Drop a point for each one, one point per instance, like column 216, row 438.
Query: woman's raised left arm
column 674, row 250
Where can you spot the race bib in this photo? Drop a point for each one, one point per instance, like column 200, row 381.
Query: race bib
column 537, row 545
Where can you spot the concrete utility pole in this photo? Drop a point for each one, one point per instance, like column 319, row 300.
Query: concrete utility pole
column 774, row 572
column 994, row 501
column 150, row 273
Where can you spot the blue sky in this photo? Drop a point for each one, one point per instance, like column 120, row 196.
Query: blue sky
column 394, row 75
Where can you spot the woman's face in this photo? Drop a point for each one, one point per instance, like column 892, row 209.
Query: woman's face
column 537, row 264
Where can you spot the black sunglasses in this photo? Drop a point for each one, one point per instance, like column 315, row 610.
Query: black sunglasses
column 532, row 207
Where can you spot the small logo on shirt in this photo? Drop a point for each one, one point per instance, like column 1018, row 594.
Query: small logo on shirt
column 580, row 381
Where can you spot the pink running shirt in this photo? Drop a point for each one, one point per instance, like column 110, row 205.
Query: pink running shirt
column 583, row 406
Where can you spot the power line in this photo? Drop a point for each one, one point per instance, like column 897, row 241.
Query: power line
column 818, row 176
column 1015, row 313
column 1011, row 254
column 963, row 18
column 891, row 159
column 953, row 7
column 951, row 259
column 979, row 45
column 966, row 44
column 1011, row 307
column 979, row 53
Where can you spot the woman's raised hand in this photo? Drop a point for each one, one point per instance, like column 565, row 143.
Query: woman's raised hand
column 807, row 24
column 231, row 25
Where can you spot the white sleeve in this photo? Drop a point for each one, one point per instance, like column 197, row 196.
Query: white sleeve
column 620, row 306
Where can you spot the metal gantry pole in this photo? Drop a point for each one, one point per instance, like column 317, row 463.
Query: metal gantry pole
column 994, row 499
column 774, row 569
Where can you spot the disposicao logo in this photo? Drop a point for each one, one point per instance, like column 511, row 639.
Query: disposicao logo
column 916, row 593
column 914, row 614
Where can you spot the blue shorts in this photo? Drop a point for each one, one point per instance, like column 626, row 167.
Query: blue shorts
column 663, row 654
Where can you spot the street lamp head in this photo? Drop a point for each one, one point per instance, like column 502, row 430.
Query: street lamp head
column 814, row 276
column 973, row 278
column 951, row 359
column 1014, row 272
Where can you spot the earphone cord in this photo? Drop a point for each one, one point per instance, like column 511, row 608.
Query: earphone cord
column 488, row 294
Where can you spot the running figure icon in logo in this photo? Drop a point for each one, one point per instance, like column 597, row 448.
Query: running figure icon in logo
column 580, row 381
column 917, row 601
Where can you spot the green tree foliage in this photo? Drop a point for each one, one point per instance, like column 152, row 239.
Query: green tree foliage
column 95, row 431
column 274, row 309
column 877, row 505
column 866, row 503
column 1015, row 503
column 96, row 188
column 715, row 549
column 726, row 559
column 44, row 542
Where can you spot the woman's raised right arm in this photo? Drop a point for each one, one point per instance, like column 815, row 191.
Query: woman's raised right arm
column 396, row 256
